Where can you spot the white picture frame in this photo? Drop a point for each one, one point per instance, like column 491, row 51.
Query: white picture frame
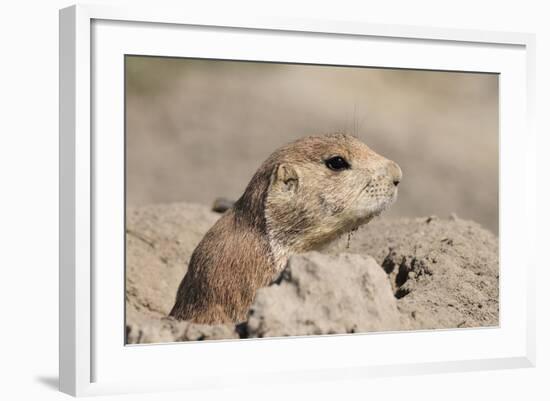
column 93, row 358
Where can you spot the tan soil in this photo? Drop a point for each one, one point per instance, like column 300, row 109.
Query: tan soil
column 424, row 273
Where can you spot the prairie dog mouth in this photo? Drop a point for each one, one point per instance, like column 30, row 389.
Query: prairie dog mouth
column 385, row 203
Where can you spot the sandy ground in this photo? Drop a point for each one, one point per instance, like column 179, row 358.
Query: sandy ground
column 197, row 130
column 393, row 274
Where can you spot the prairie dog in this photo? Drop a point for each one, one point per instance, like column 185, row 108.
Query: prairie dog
column 304, row 195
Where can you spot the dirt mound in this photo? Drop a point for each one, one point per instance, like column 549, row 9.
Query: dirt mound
column 429, row 273
column 444, row 272
column 159, row 243
column 326, row 294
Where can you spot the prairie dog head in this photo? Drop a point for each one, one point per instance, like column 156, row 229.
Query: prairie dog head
column 323, row 186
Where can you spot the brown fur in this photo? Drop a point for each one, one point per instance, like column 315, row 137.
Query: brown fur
column 294, row 203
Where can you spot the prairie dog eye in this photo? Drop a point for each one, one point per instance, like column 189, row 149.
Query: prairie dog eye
column 337, row 163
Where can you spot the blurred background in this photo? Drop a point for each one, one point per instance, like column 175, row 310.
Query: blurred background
column 197, row 130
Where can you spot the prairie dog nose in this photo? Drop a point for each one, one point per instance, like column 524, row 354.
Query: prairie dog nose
column 394, row 171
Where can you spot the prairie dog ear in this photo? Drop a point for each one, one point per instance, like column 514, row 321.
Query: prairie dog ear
column 285, row 177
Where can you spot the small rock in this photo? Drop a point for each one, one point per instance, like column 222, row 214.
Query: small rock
column 430, row 219
column 221, row 205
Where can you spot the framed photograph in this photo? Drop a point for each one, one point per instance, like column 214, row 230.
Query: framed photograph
column 279, row 200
